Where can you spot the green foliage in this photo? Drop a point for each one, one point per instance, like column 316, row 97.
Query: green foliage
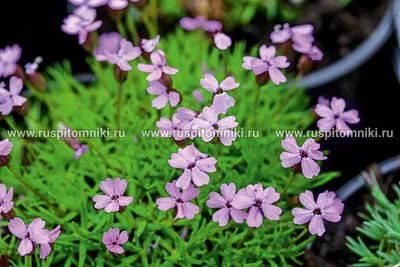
column 382, row 228
column 69, row 185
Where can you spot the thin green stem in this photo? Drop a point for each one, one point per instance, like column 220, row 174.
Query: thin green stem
column 288, row 184
column 297, row 238
column 119, row 104
column 28, row 261
column 245, row 238
column 255, row 103
column 225, row 59
column 132, row 28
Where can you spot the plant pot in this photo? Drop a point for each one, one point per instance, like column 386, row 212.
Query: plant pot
column 356, row 58
column 396, row 23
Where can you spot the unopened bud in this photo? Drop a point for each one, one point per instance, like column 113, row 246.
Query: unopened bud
column 4, row 160
column 19, row 72
column 119, row 74
column 4, row 262
column 90, row 43
column 297, row 168
column 305, row 64
column 166, row 80
column 22, row 110
column 8, row 216
column 263, row 78
column 38, row 81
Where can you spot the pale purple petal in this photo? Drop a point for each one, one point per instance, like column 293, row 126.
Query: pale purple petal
column 212, row 26
column 302, row 216
column 267, row 53
column 222, row 41
column 276, row 75
column 192, row 23
column 254, row 218
column 166, row 203
column 316, row 226
column 221, row 216
column 210, row 83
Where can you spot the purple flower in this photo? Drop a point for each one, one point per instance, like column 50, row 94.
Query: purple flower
column 211, row 126
column 186, row 114
column 5, row 148
column 114, row 198
column 268, row 63
column 198, row 95
column 301, row 36
column 119, row 4
column 116, row 50
column 165, row 95
column 9, row 57
column 324, row 101
column 328, row 207
column 221, row 100
column 158, row 67
column 259, row 202
column 312, row 52
column 10, row 99
column 148, row 46
column 30, row 235
column 31, row 68
column 90, row 3
column 195, row 166
column 302, row 157
column 190, row 24
column 114, row 239
column 224, row 202
column 45, row 249
column 81, row 22
column 221, row 40
column 335, row 116
column 174, row 128
column 73, row 142
column 180, row 201
column 6, row 198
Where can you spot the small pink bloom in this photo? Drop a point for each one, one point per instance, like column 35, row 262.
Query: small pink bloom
column 31, row 68
column 45, row 249
column 180, row 201
column 81, row 22
column 198, row 95
column 73, row 142
column 303, row 156
column 5, row 147
column 30, row 235
column 114, row 197
column 224, row 203
column 174, row 128
column 165, row 95
column 90, row 3
column 114, row 239
column 6, row 198
column 148, row 46
column 222, row 41
column 158, row 67
column 9, row 57
column 211, row 126
column 10, row 99
column 198, row 22
column 259, row 202
column 268, row 63
column 195, row 166
column 222, row 101
column 328, row 207
column 302, row 36
column 335, row 116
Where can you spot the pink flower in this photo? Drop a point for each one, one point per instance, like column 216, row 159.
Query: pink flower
column 90, row 3
column 335, row 116
column 303, row 157
column 211, row 126
column 73, row 142
column 114, row 239
column 45, row 249
column 221, row 40
column 268, row 63
column 221, row 100
column 328, row 207
column 9, row 57
column 186, row 114
column 6, row 198
column 302, row 36
column 119, row 4
column 116, row 50
column 148, row 46
column 81, row 22
column 10, row 99
column 31, row 68
column 324, row 101
column 195, row 166
column 224, row 202
column 5, row 148
column 198, row 95
column 174, row 128
column 180, row 201
column 30, row 235
column 198, row 22
column 114, row 198
column 312, row 52
column 165, row 95
column 158, row 67
column 259, row 202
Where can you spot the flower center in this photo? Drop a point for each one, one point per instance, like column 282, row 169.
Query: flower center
column 258, row 203
column 317, row 212
column 219, row 91
column 179, row 200
column 115, row 197
column 191, row 165
column 303, row 153
column 228, row 205
column 215, row 126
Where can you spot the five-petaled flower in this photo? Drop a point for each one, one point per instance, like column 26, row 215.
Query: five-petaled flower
column 190, row 24
column 180, row 201
column 30, row 235
column 333, row 115
column 11, row 98
column 224, row 203
column 158, row 67
column 114, row 239
column 259, row 202
column 328, row 207
column 6, row 198
column 114, row 197
column 45, row 249
column 222, row 101
column 81, row 22
column 301, row 36
column 195, row 166
column 9, row 57
column 302, row 158
column 165, row 95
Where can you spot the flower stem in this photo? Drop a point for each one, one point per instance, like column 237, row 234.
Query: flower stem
column 225, row 59
column 28, row 261
column 255, row 103
column 297, row 238
column 291, row 180
column 119, row 105
column 245, row 238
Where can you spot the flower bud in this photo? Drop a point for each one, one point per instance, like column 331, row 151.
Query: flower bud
column 90, row 43
column 305, row 64
column 22, row 110
column 262, row 79
column 4, row 260
column 38, row 81
column 8, row 216
column 4, row 160
column 166, row 80
column 119, row 74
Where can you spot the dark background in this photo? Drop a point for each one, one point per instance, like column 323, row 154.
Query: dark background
column 373, row 89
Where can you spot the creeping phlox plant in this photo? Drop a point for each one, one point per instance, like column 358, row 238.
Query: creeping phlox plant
column 182, row 171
